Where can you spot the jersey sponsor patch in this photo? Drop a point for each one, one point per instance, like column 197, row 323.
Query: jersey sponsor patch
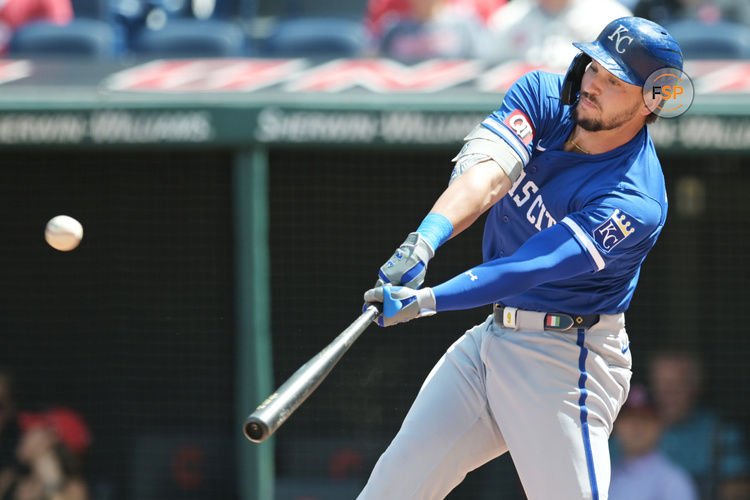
column 614, row 230
column 520, row 124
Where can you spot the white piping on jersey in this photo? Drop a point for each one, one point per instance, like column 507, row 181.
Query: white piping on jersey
column 503, row 131
column 586, row 241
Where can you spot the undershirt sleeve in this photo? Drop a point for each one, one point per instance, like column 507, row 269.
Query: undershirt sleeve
column 549, row 255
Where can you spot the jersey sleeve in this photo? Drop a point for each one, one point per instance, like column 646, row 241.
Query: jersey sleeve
column 614, row 225
column 549, row 255
column 521, row 115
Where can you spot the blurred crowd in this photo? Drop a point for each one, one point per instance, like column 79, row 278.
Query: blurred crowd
column 536, row 31
column 40, row 452
column 668, row 443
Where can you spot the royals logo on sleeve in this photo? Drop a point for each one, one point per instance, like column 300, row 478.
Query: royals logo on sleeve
column 614, row 230
column 520, row 124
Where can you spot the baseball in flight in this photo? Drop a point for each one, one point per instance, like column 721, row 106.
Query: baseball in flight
column 63, row 233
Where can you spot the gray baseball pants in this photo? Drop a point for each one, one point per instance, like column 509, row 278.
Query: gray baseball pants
column 550, row 398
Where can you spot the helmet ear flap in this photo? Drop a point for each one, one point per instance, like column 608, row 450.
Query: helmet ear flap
column 572, row 83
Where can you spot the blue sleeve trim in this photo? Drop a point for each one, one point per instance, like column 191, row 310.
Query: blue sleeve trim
column 508, row 136
column 597, row 261
column 549, row 255
column 436, row 229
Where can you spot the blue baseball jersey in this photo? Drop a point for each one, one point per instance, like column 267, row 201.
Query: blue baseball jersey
column 614, row 204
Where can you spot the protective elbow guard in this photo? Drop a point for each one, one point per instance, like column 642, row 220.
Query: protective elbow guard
column 481, row 145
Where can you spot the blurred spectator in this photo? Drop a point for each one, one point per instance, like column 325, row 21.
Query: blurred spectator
column 643, row 472
column 697, row 439
column 542, row 31
column 629, row 4
column 17, row 13
column 430, row 29
column 49, row 453
column 384, row 13
column 9, row 431
column 704, row 11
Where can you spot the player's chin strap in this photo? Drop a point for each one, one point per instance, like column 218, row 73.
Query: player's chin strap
column 572, row 83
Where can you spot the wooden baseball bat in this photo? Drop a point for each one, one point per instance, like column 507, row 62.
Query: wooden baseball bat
column 281, row 404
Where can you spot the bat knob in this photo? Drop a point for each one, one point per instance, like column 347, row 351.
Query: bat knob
column 255, row 431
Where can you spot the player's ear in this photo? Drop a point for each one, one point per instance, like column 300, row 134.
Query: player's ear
column 649, row 103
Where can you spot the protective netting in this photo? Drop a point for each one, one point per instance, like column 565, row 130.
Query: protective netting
column 134, row 329
column 337, row 215
column 335, row 218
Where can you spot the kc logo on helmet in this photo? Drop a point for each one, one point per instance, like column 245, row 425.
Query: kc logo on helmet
column 620, row 38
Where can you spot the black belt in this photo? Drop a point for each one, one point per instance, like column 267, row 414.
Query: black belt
column 556, row 322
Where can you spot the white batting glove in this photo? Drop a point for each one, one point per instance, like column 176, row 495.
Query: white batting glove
column 408, row 264
column 401, row 304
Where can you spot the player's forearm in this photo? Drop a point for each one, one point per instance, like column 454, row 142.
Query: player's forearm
column 471, row 194
column 465, row 199
column 550, row 255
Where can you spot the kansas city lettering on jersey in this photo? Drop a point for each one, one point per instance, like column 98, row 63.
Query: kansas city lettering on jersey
column 614, row 230
column 537, row 214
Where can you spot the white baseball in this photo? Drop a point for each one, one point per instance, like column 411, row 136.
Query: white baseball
column 63, row 233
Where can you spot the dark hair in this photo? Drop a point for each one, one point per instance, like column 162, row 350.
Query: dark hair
column 651, row 118
column 10, row 380
column 7, row 377
column 69, row 464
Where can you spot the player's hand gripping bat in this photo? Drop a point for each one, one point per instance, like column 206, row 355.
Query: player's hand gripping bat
column 281, row 404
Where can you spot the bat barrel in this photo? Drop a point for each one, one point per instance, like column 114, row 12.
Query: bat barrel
column 274, row 411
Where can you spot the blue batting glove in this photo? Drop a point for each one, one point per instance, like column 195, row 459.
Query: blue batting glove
column 401, row 304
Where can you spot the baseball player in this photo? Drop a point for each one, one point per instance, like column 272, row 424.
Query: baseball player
column 577, row 199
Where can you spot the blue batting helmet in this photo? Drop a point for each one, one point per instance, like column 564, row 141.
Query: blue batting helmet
column 631, row 48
